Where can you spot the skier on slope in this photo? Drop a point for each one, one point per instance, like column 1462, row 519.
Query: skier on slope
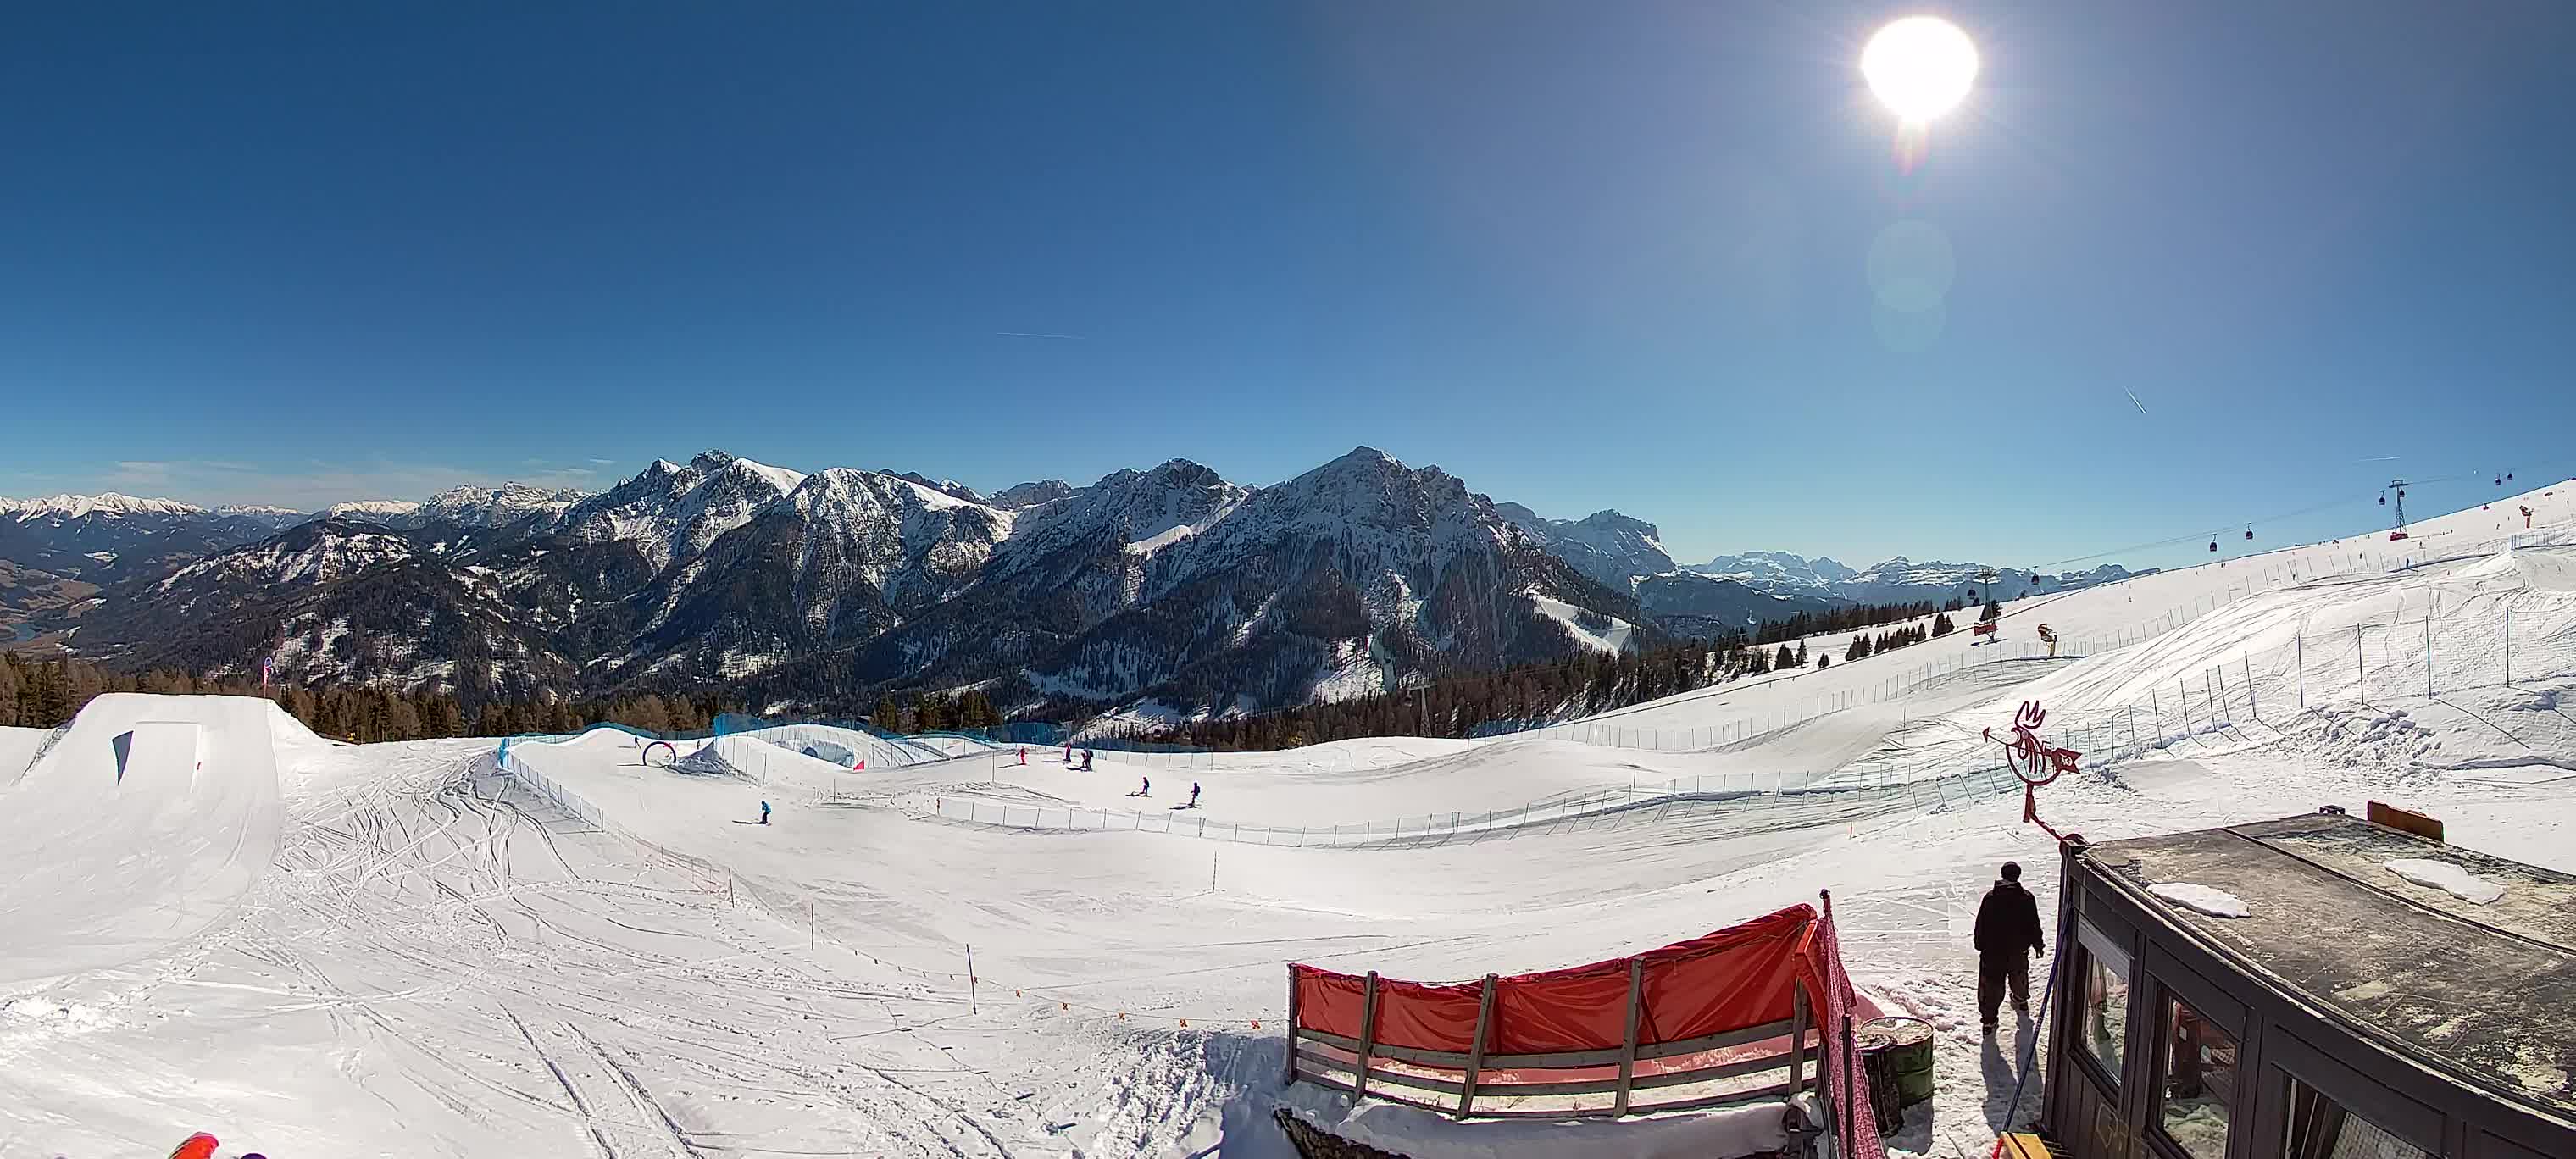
column 1194, row 794
column 764, row 812
column 1024, row 754
column 1146, row 787
column 2007, row 936
column 1086, row 760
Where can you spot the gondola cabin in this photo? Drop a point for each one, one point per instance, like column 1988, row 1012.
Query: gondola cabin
column 2377, row 994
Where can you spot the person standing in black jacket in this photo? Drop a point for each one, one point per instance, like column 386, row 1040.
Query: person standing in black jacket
column 2008, row 935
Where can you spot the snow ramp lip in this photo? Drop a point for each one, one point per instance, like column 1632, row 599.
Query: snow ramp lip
column 143, row 826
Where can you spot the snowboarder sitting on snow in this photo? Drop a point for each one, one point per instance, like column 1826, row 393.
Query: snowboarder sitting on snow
column 1086, row 760
column 2008, row 933
column 1145, row 786
column 764, row 812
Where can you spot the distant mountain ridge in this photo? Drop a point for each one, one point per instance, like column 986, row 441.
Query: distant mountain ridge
column 1169, row 590
column 1897, row 580
column 1170, row 585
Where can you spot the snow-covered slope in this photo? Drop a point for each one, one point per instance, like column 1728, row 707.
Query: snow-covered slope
column 150, row 817
column 492, row 974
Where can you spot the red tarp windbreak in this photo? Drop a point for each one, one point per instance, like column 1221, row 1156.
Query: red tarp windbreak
column 1733, row 979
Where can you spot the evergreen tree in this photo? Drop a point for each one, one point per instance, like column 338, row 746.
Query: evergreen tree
column 1993, row 610
column 1941, row 625
column 1823, row 662
column 1859, row 648
column 1785, row 660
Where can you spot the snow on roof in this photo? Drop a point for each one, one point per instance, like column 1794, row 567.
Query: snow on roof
column 2482, row 988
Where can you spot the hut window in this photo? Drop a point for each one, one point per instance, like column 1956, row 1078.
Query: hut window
column 2105, row 1010
column 2196, row 1081
column 2321, row 1129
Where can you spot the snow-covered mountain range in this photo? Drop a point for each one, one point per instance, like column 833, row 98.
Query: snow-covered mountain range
column 463, row 506
column 1170, row 585
column 1898, row 580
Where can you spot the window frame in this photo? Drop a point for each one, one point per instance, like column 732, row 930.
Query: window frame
column 2287, row 1058
column 2095, row 944
column 2241, row 1112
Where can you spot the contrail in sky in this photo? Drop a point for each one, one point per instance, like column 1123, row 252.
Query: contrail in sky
column 1026, row 334
column 2378, row 459
column 2133, row 400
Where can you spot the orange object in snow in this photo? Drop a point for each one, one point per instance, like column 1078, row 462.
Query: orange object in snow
column 198, row 1146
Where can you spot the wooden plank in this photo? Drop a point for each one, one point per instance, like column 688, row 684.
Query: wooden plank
column 1707, row 1042
column 1321, row 1064
column 1292, row 1024
column 1628, row 1049
column 1731, row 1098
column 1560, row 1060
column 1368, row 1036
column 1379, row 1077
column 1476, row 1053
column 2403, row 820
column 1797, row 1035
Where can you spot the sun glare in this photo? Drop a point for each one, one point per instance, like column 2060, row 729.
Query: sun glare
column 1920, row 67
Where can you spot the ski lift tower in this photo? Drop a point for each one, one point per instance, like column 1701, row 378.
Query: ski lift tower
column 2398, row 486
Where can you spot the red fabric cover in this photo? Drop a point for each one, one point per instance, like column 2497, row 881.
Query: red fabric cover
column 1428, row 1017
column 1731, row 979
column 1850, row 1085
column 1727, row 980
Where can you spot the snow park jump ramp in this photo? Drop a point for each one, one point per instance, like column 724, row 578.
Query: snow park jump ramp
column 140, row 826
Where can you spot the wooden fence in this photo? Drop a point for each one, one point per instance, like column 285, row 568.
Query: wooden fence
column 1708, row 1071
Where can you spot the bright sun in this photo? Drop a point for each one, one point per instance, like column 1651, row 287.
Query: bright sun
column 1920, row 66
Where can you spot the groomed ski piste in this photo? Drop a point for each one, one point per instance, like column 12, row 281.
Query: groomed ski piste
column 220, row 922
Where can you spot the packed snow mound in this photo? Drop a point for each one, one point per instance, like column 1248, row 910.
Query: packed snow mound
column 706, row 762
column 151, row 817
column 2448, row 878
column 845, row 747
column 2217, row 903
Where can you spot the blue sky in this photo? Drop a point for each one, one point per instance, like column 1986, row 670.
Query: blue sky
column 1582, row 256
